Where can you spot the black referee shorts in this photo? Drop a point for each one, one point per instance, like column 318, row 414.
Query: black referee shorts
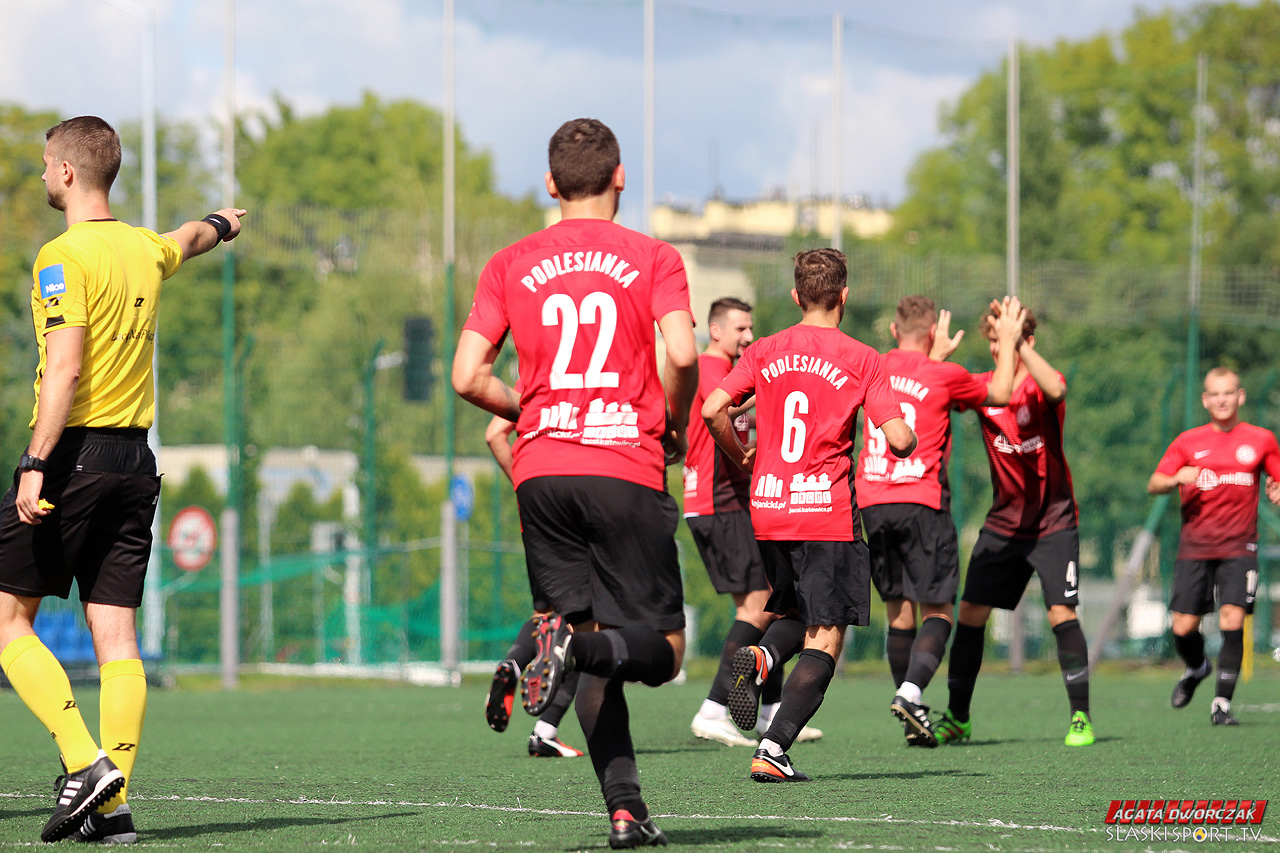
column 604, row 549
column 914, row 554
column 104, row 489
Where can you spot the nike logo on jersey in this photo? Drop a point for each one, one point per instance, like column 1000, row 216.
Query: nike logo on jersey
column 1202, row 453
column 992, row 411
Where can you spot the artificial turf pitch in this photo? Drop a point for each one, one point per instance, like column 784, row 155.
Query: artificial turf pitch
column 288, row 765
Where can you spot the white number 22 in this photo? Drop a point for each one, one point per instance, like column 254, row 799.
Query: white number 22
column 559, row 310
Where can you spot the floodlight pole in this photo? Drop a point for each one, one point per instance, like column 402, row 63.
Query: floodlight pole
column 648, row 116
column 1013, row 141
column 837, row 74
column 229, row 598
column 152, row 595
column 1197, row 242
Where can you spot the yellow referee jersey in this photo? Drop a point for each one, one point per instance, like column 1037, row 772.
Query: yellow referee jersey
column 105, row 276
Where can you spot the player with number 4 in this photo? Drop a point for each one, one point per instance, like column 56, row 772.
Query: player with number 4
column 1030, row 528
column 906, row 503
column 809, row 380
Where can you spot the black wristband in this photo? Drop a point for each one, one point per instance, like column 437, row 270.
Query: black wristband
column 220, row 223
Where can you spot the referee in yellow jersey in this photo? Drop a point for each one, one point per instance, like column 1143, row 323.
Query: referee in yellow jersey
column 85, row 491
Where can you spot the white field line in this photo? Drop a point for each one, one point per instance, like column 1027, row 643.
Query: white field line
column 990, row 823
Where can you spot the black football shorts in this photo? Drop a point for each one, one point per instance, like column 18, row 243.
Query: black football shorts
column 1000, row 568
column 1194, row 583
column 914, row 553
column 828, row 582
column 729, row 551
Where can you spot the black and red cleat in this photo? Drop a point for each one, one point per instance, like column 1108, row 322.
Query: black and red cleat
column 541, row 678
column 502, row 695
column 627, row 832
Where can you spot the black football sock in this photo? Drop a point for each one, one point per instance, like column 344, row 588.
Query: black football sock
column 962, row 673
column 897, row 647
column 927, row 651
column 783, row 640
column 1073, row 659
column 802, row 696
column 562, row 699
column 1190, row 648
column 525, row 647
column 740, row 634
column 606, row 724
column 771, row 690
column 632, row 654
column 1229, row 658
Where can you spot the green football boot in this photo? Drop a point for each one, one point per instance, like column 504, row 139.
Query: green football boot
column 1081, row 731
column 950, row 730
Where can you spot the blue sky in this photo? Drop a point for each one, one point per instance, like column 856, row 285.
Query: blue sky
column 743, row 87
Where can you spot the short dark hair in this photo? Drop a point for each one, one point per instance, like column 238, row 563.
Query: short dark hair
column 582, row 155
column 988, row 324
column 722, row 306
column 91, row 146
column 915, row 315
column 821, row 274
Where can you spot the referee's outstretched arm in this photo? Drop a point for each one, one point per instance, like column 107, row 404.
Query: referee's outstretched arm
column 201, row 235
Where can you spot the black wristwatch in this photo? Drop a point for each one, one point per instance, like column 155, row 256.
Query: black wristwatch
column 30, row 463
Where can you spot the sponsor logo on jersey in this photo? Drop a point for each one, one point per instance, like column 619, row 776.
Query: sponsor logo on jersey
column 614, row 421
column 1209, row 480
column 561, row 416
column 1031, row 445
column 690, row 481
column 1246, row 455
column 811, row 490
column 53, row 281
column 768, row 486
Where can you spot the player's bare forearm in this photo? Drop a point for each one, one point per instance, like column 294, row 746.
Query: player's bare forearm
column 900, row 437
column 497, row 436
column 715, row 413
column 1161, row 484
column 474, row 380
column 199, row 236
column 1008, row 328
column 747, row 405
column 680, row 369
column 1044, row 374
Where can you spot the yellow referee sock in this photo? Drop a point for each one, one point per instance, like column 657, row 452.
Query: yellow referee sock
column 41, row 683
column 122, row 711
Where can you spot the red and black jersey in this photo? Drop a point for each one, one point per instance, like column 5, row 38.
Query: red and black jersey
column 926, row 391
column 1030, row 482
column 580, row 299
column 809, row 383
column 712, row 481
column 1220, row 510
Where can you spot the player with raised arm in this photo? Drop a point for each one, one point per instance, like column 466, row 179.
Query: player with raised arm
column 85, row 492
column 1030, row 528
column 596, row 427
column 716, row 493
column 809, row 382
column 906, row 503
column 544, row 741
column 1217, row 470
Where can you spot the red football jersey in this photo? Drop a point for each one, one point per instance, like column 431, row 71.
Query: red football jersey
column 1220, row 510
column 927, row 391
column 580, row 299
column 809, row 383
column 1030, row 481
column 712, row 482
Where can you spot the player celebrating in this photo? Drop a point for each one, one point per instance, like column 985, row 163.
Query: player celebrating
column 580, row 300
column 717, row 512
column 544, row 741
column 1031, row 527
column 1217, row 469
column 809, row 381
column 906, row 504
column 85, row 492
